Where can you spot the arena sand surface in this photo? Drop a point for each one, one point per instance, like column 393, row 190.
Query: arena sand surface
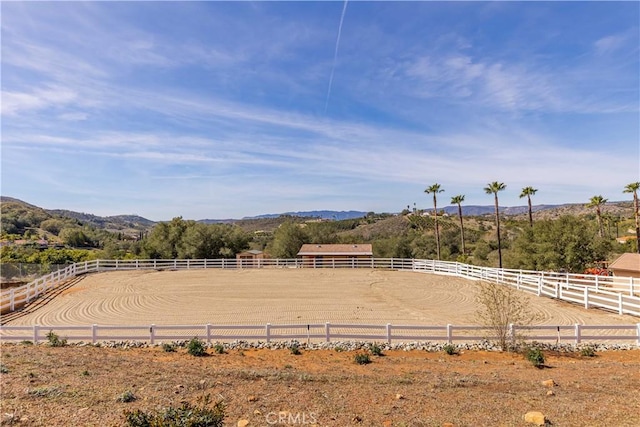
column 285, row 296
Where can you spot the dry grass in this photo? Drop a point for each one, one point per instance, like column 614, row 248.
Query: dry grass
column 65, row 386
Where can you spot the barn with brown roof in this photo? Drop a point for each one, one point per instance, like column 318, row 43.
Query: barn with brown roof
column 335, row 255
column 627, row 265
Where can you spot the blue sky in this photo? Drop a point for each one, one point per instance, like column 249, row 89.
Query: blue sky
column 233, row 109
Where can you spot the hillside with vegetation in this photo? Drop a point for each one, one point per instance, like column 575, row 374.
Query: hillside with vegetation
column 568, row 237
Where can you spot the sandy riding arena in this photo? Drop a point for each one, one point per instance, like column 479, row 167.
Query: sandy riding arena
column 283, row 296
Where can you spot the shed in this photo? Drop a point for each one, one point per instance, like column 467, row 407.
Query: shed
column 626, row 265
column 250, row 259
column 335, row 255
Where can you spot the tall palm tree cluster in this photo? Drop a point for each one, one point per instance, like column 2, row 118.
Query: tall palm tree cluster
column 495, row 187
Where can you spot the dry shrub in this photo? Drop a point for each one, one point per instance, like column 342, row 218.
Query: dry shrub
column 499, row 306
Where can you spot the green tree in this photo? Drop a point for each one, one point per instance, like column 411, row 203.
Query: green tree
column 457, row 200
column 633, row 188
column 435, row 189
column 528, row 192
column 494, row 188
column 596, row 202
column 564, row 244
column 287, row 240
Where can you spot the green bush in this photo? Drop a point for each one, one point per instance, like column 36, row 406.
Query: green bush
column 295, row 349
column 535, row 356
column 55, row 341
column 219, row 349
column 450, row 349
column 362, row 358
column 196, row 347
column 3, row 369
column 587, row 351
column 186, row 415
column 376, row 350
column 169, row 347
column 126, row 397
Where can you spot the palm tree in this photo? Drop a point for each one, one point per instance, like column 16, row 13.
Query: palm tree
column 457, row 200
column 633, row 188
column 493, row 188
column 435, row 189
column 596, row 202
column 528, row 192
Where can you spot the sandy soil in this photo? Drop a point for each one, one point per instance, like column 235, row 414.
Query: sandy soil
column 283, row 296
column 80, row 386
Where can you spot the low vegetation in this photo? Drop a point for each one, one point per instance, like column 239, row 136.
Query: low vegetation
column 196, row 347
column 186, row 415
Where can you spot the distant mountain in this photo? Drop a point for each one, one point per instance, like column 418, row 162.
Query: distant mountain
column 336, row 215
column 474, row 210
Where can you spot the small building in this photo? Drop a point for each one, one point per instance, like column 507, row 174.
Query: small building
column 250, row 259
column 332, row 255
column 627, row 265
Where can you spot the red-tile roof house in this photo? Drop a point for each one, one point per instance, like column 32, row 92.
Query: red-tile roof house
column 332, row 255
column 627, row 265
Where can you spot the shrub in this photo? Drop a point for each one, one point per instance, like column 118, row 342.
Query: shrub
column 168, row 347
column 196, row 347
column 85, row 373
column 362, row 358
column 3, row 369
column 295, row 349
column 126, row 397
column 587, row 351
column 376, row 350
column 450, row 349
column 185, row 415
column 535, row 356
column 500, row 306
column 219, row 349
column 55, row 341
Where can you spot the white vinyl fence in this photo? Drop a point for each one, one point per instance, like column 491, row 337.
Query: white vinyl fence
column 323, row 332
column 618, row 294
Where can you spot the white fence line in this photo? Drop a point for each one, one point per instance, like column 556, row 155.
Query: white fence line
column 326, row 332
column 617, row 294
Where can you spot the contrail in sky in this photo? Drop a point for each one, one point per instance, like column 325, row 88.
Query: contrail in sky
column 335, row 55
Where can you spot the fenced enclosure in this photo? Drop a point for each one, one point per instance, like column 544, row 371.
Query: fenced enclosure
column 617, row 294
column 322, row 332
column 11, row 272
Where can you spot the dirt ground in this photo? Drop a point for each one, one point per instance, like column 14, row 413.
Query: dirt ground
column 283, row 296
column 80, row 386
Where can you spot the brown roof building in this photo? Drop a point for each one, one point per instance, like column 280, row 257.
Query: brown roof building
column 627, row 265
column 342, row 255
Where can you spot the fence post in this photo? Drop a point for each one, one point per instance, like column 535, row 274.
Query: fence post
column 12, row 299
column 137, row 265
column 597, row 288
column 539, row 285
column 578, row 338
column 327, row 332
column 630, row 286
column 152, row 334
column 512, row 334
column 94, row 333
column 620, row 311
column 638, row 334
column 586, row 297
column 36, row 330
column 389, row 333
column 268, row 332
column 208, row 333
column 449, row 333
column 559, row 287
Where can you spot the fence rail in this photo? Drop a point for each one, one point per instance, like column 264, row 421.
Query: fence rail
column 322, row 332
column 618, row 294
